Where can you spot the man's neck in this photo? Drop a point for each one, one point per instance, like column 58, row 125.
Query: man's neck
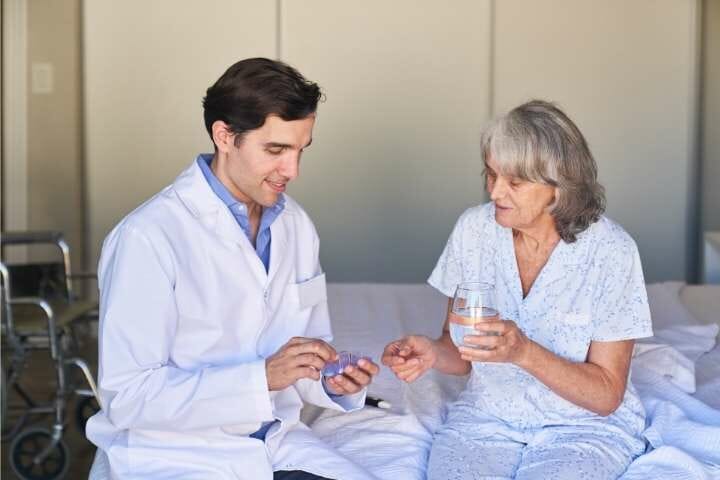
column 254, row 209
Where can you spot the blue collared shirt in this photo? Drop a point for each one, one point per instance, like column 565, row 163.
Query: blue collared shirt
column 262, row 243
column 239, row 210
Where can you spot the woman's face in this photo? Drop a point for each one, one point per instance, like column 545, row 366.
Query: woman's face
column 519, row 204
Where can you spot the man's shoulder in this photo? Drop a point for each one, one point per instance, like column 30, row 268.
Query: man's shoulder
column 163, row 209
column 154, row 212
column 292, row 207
column 296, row 212
column 298, row 221
column 157, row 221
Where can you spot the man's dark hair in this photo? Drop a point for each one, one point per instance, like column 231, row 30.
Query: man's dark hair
column 254, row 88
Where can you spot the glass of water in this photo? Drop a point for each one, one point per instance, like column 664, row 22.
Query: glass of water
column 473, row 302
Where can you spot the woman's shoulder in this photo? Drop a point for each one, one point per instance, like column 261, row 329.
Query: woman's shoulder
column 609, row 238
column 477, row 226
column 478, row 216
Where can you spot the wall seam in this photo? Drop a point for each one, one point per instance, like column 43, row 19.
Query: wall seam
column 278, row 29
column 694, row 219
column 491, row 62
column 84, row 195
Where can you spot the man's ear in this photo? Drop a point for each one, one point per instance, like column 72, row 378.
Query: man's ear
column 222, row 136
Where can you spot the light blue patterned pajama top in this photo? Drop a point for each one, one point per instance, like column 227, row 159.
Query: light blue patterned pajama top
column 507, row 424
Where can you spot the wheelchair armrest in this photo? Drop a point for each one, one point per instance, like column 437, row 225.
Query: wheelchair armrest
column 48, row 311
column 27, row 238
column 37, row 301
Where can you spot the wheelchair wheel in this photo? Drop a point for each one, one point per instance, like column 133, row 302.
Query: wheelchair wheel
column 27, row 445
column 85, row 408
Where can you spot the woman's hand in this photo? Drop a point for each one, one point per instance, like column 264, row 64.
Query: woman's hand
column 410, row 357
column 497, row 341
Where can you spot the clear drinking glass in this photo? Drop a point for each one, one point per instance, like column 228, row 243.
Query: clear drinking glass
column 473, row 302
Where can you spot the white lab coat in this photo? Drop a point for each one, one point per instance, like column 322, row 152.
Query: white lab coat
column 188, row 315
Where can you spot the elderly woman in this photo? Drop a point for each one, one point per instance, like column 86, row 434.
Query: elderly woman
column 549, row 395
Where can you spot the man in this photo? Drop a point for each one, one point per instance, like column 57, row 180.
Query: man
column 213, row 311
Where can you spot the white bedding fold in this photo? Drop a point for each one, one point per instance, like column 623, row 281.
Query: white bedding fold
column 684, row 431
column 673, row 352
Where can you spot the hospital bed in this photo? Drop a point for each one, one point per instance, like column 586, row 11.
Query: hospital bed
column 678, row 378
column 394, row 443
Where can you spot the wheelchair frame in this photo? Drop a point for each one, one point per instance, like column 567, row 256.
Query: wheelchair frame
column 58, row 339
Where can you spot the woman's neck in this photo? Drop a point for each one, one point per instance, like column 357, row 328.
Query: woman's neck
column 539, row 237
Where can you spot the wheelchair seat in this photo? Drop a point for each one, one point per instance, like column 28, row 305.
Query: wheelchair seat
column 28, row 323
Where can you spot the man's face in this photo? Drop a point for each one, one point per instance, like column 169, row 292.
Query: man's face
column 259, row 168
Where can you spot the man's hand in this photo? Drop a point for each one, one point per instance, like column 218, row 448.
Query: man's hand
column 299, row 358
column 410, row 357
column 353, row 378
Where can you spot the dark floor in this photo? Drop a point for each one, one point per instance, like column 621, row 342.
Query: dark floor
column 38, row 379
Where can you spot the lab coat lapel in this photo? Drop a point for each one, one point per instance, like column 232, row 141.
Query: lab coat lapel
column 278, row 244
column 197, row 196
column 228, row 229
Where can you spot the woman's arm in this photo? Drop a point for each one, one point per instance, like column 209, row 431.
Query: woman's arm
column 413, row 355
column 598, row 384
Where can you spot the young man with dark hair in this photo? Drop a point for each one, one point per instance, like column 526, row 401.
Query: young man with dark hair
column 213, row 312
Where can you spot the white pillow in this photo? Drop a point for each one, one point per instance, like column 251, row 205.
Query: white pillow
column 666, row 307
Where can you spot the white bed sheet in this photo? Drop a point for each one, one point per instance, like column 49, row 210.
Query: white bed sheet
column 395, row 444
column 707, row 378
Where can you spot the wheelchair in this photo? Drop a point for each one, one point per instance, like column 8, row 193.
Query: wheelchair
column 41, row 311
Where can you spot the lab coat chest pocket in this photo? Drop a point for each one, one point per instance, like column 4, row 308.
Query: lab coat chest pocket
column 291, row 309
column 308, row 293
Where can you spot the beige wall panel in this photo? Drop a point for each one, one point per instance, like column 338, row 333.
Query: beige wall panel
column 395, row 159
column 624, row 72
column 54, row 148
column 147, row 66
column 711, row 117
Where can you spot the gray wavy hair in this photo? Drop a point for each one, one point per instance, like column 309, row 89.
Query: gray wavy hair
column 537, row 142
